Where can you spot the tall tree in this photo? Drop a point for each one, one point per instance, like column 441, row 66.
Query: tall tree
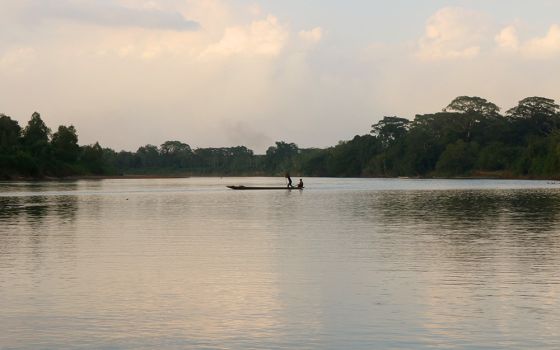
column 390, row 129
column 175, row 154
column 174, row 147
column 36, row 136
column 149, row 156
column 92, row 157
column 533, row 106
column 65, row 144
column 10, row 132
column 280, row 157
column 472, row 104
column 535, row 115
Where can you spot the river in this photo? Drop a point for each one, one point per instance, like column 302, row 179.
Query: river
column 343, row 264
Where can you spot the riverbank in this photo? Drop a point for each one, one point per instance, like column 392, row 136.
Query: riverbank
column 480, row 175
column 93, row 177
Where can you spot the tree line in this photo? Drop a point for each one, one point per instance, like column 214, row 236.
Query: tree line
column 469, row 137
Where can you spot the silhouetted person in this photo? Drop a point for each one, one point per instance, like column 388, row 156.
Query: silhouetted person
column 300, row 184
column 289, row 180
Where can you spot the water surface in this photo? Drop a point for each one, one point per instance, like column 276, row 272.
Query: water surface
column 344, row 264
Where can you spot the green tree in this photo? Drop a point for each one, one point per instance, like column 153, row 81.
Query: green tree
column 281, row 156
column 473, row 105
column 313, row 162
column 149, row 156
column 174, row 147
column 535, row 115
column 390, row 130
column 65, row 144
column 92, row 158
column 497, row 156
column 175, row 154
column 10, row 133
column 36, row 137
column 457, row 159
column 241, row 160
column 531, row 106
column 421, row 152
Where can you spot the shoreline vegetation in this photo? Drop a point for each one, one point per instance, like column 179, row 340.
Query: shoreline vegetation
column 155, row 177
column 474, row 176
column 469, row 138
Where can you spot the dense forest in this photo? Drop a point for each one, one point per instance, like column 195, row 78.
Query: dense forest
column 469, row 137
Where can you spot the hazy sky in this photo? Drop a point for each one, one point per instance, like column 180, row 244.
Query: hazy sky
column 225, row 73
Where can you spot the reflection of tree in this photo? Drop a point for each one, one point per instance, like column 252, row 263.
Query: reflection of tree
column 14, row 209
column 473, row 222
column 27, row 221
column 451, row 210
column 457, row 210
column 65, row 207
column 35, row 208
column 9, row 207
column 534, row 219
column 32, row 210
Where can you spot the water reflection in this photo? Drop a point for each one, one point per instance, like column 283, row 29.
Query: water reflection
column 34, row 209
column 475, row 225
column 478, row 252
column 121, row 264
column 536, row 210
column 30, row 226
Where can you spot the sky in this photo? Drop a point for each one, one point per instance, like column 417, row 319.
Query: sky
column 217, row 73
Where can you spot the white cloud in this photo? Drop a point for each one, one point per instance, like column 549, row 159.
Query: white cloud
column 544, row 47
column 261, row 38
column 256, row 82
column 313, row 36
column 452, row 32
column 547, row 46
column 507, row 38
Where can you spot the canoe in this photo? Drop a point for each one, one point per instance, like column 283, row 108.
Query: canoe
column 263, row 188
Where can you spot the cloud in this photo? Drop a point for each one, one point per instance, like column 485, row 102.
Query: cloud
column 544, row 47
column 313, row 36
column 452, row 33
column 507, row 38
column 260, row 38
column 109, row 13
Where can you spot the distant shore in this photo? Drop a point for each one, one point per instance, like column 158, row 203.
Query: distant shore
column 476, row 176
column 94, row 177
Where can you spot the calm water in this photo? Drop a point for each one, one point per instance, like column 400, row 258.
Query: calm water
column 345, row 264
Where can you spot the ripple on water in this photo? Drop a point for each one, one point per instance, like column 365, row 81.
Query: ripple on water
column 347, row 263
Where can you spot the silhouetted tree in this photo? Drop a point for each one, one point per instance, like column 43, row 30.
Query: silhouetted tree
column 474, row 105
column 92, row 157
column 36, row 136
column 390, row 130
column 279, row 158
column 535, row 115
column 10, row 133
column 65, row 144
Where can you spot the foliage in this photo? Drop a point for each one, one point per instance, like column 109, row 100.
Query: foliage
column 279, row 159
column 390, row 130
column 65, row 144
column 467, row 137
column 473, row 105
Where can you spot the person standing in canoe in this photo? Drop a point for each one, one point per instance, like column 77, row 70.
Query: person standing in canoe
column 289, row 180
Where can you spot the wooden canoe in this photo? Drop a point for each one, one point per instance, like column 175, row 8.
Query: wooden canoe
column 263, row 188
